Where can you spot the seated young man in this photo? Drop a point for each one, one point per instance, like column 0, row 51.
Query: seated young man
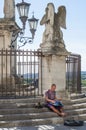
column 53, row 102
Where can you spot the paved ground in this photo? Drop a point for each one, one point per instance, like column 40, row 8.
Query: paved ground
column 47, row 127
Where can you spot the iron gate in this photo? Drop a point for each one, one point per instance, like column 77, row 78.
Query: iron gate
column 19, row 73
column 73, row 73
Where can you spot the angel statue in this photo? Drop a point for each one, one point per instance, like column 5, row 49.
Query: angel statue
column 53, row 23
column 9, row 9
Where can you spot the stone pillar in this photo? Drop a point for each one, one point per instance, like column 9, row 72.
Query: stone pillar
column 7, row 29
column 53, row 67
column 9, row 9
column 8, row 33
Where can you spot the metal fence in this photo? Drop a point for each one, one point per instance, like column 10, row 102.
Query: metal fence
column 73, row 73
column 21, row 70
column 19, row 73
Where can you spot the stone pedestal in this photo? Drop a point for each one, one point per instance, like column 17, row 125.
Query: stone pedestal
column 54, row 67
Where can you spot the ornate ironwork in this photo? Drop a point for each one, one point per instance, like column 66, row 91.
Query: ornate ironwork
column 24, row 40
column 23, row 9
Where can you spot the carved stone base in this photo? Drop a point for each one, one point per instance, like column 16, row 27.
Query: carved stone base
column 47, row 46
column 53, row 65
column 53, row 48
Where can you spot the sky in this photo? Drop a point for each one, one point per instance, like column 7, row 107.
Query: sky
column 75, row 34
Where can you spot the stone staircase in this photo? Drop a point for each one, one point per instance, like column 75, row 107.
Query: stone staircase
column 21, row 112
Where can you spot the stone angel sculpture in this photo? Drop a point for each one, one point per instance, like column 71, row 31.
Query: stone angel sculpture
column 53, row 23
column 9, row 9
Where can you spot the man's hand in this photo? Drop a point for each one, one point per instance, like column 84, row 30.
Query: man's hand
column 58, row 99
column 53, row 101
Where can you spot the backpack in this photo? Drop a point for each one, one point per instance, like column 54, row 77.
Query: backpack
column 73, row 123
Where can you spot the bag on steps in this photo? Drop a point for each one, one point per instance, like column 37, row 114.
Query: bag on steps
column 73, row 123
column 39, row 105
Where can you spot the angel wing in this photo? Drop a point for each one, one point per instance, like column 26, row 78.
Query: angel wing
column 61, row 16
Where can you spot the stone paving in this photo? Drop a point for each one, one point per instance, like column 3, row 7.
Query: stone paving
column 47, row 127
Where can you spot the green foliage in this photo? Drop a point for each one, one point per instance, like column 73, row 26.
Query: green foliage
column 28, row 81
column 83, row 78
column 83, row 82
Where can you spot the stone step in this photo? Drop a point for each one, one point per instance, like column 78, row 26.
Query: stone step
column 18, row 103
column 23, row 105
column 75, row 106
column 20, row 110
column 77, row 96
column 45, row 121
column 48, row 114
column 76, row 111
column 22, row 100
column 27, row 100
column 41, row 99
column 31, row 122
column 28, row 116
column 78, row 101
column 24, row 110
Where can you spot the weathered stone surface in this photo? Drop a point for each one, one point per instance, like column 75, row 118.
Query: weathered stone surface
column 53, row 21
column 9, row 9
